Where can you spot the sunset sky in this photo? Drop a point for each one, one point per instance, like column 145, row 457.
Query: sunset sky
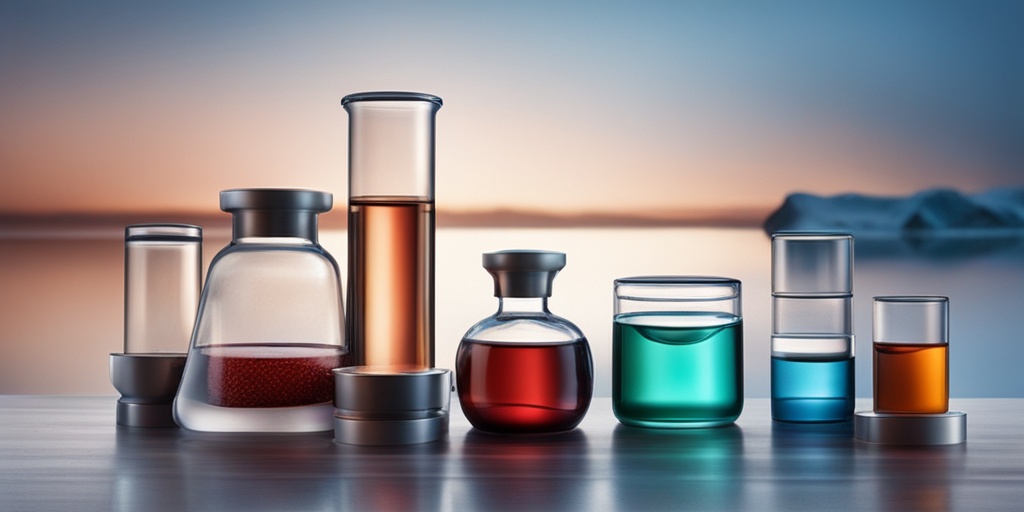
column 616, row 107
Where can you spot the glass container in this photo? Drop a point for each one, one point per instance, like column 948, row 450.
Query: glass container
column 162, row 280
column 812, row 344
column 270, row 327
column 911, row 354
column 391, row 228
column 677, row 351
column 524, row 369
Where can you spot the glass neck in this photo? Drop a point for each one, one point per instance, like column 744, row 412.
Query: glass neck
column 274, row 223
column 509, row 305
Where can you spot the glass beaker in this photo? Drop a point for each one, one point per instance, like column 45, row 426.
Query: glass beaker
column 270, row 324
column 911, row 354
column 677, row 351
column 391, row 228
column 524, row 369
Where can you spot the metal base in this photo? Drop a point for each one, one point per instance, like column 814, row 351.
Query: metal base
column 390, row 432
column 910, row 429
column 147, row 383
column 145, row 415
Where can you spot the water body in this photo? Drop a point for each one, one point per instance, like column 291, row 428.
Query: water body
column 61, row 299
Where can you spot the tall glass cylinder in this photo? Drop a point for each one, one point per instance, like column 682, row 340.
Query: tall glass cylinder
column 812, row 344
column 391, row 228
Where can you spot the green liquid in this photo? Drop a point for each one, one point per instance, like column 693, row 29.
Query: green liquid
column 677, row 370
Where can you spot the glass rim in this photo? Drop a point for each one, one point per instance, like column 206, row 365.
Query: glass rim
column 812, row 235
column 162, row 231
column 677, row 289
column 669, row 280
column 390, row 96
column 911, row 299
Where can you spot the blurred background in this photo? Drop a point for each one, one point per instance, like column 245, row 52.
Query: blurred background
column 637, row 137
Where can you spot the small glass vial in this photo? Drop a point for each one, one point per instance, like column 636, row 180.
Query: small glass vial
column 162, row 282
column 911, row 354
column 812, row 345
column 524, row 369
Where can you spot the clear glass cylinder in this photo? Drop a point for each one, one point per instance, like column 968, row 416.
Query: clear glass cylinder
column 391, row 228
column 677, row 351
column 911, row 354
column 162, row 281
column 271, row 326
column 524, row 369
column 812, row 343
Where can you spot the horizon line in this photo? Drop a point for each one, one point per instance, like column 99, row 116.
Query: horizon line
column 13, row 224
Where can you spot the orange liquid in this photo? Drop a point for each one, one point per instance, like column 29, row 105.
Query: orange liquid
column 391, row 282
column 911, row 378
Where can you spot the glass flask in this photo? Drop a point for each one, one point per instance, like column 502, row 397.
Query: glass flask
column 391, row 228
column 911, row 354
column 677, row 351
column 162, row 278
column 524, row 369
column 812, row 344
column 270, row 324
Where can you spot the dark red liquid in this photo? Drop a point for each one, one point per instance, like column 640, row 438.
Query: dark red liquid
column 269, row 375
column 515, row 387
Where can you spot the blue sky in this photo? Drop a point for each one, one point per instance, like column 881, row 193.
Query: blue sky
column 117, row 106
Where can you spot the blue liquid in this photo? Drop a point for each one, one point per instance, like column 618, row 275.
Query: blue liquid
column 812, row 391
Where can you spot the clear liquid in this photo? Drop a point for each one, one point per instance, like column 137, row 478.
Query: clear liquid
column 259, row 388
column 911, row 378
column 677, row 370
column 812, row 391
column 391, row 282
column 521, row 387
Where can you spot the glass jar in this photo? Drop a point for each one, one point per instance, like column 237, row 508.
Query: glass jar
column 677, row 351
column 524, row 369
column 270, row 324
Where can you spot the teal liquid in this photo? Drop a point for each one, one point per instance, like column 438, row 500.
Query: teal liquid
column 812, row 391
column 677, row 370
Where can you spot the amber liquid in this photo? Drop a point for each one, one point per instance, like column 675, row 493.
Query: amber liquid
column 515, row 387
column 391, row 281
column 911, row 378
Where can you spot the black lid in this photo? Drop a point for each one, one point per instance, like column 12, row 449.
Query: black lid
column 523, row 273
column 275, row 212
column 275, row 199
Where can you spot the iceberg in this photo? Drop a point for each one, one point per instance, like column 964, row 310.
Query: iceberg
column 945, row 212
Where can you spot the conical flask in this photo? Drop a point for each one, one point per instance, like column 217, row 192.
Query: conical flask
column 270, row 324
column 391, row 228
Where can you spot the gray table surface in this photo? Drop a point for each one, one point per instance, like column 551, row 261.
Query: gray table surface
column 65, row 453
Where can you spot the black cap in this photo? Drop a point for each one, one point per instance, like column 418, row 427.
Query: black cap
column 273, row 212
column 523, row 273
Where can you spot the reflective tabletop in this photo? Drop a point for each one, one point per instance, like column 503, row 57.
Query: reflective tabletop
column 66, row 453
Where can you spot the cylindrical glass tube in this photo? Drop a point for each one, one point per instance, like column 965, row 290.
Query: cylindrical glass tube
column 812, row 345
column 911, row 354
column 162, row 282
column 391, row 228
column 677, row 351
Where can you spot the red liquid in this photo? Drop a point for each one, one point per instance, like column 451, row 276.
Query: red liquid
column 268, row 375
column 515, row 387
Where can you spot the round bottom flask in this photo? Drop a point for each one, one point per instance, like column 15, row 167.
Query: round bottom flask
column 524, row 369
column 270, row 324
